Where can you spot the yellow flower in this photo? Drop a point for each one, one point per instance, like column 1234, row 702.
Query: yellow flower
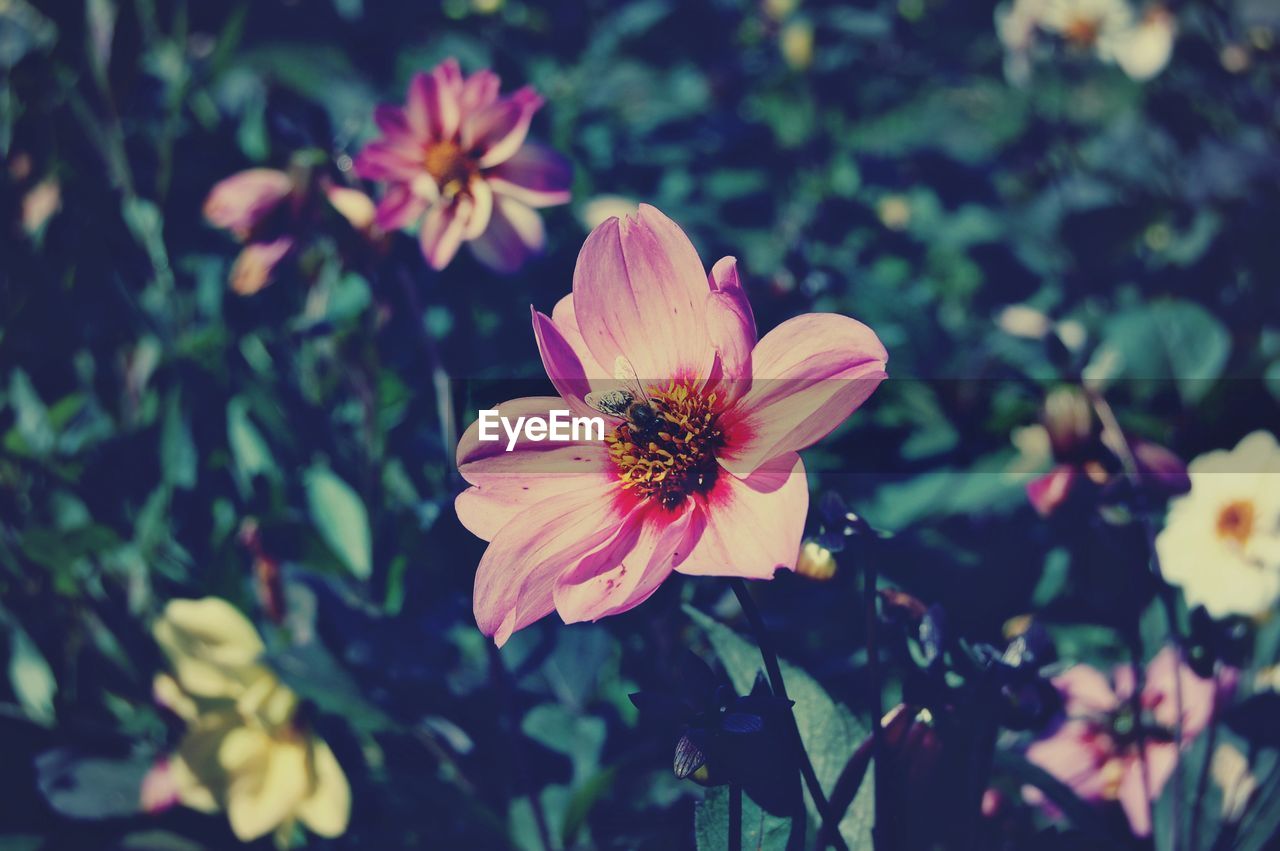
column 245, row 751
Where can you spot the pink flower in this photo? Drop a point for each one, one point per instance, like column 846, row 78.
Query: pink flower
column 455, row 161
column 1095, row 748
column 270, row 211
column 706, row 482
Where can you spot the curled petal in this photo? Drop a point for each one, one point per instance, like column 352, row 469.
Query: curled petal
column 514, row 234
column 562, row 363
column 534, row 175
column 752, row 526
column 808, row 375
column 731, row 325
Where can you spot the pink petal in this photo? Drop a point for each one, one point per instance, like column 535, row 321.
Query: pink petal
column 515, row 234
column 479, row 91
column 257, row 263
column 624, row 575
column 442, row 229
column 1046, row 493
column 497, row 131
column 391, row 120
column 400, row 206
column 516, row 578
column 562, row 364
column 449, row 75
column 533, row 175
column 640, row 293
column 1085, row 691
column 242, row 201
column 481, row 213
column 1074, row 754
column 1168, row 680
column 567, row 323
column 432, row 108
column 159, row 790
column 386, row 160
column 808, row 375
column 1139, row 786
column 753, row 525
column 731, row 326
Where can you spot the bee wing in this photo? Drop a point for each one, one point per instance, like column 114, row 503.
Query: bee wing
column 689, row 756
column 614, row 403
column 626, row 373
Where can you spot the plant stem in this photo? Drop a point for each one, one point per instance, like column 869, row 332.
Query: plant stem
column 735, row 816
column 503, row 685
column 829, row 832
column 880, row 829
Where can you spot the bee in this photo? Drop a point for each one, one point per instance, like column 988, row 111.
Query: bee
column 629, row 403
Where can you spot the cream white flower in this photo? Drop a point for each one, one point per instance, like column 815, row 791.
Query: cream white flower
column 1140, row 46
column 1142, row 50
column 245, row 751
column 1221, row 542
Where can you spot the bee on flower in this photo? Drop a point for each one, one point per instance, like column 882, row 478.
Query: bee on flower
column 246, row 751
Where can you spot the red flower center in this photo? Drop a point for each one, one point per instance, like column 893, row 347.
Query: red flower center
column 665, row 448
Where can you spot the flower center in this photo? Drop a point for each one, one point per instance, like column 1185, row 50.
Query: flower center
column 1082, row 32
column 1235, row 522
column 449, row 166
column 666, row 448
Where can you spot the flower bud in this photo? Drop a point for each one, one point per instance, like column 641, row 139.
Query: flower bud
column 816, row 562
column 1068, row 417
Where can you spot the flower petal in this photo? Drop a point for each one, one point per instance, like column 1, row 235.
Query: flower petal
column 265, row 787
column 731, row 325
column 391, row 120
column 242, row 201
column 387, row 160
column 753, row 525
column 442, row 230
column 482, row 210
column 257, row 263
column 517, row 574
column 566, row 321
column 505, row 483
column 514, row 234
column 534, row 175
column 1168, row 681
column 1085, row 691
column 1141, row 784
column 479, row 91
column 400, row 206
column 640, row 293
column 808, row 375
column 432, row 107
column 496, row 132
column 562, row 364
column 327, row 810
column 624, row 575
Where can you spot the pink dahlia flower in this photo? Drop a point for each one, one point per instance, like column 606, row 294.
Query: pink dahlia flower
column 456, row 162
column 1106, row 753
column 699, row 474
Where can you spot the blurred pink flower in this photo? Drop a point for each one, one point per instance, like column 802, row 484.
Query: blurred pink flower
column 456, row 162
column 1095, row 748
column 270, row 211
column 706, row 482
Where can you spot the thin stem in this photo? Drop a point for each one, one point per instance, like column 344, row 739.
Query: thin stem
column 1114, row 437
column 829, row 832
column 439, row 376
column 735, row 817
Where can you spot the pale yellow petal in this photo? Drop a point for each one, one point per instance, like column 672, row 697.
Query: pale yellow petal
column 212, row 647
column 327, row 810
column 170, row 695
column 260, row 801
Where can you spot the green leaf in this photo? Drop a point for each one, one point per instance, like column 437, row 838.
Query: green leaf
column 828, row 729
column 340, row 518
column 177, row 447
column 760, row 830
column 29, row 674
column 1167, row 340
column 252, row 457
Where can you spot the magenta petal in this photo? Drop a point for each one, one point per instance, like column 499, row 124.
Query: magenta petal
column 479, row 91
column 731, row 326
column 442, row 229
column 431, row 108
column 640, row 293
column 625, row 574
column 566, row 321
column 242, row 201
column 808, row 375
column 1046, row 493
column 514, row 234
column 516, row 578
column 753, row 526
column 562, row 364
column 497, row 131
column 386, row 160
column 391, row 120
column 534, row 175
column 400, row 206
